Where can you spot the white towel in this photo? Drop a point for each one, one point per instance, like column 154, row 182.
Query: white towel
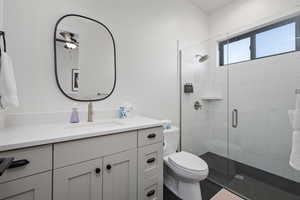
column 296, row 120
column 291, row 116
column 294, row 116
column 295, row 154
column 8, row 88
column 298, row 101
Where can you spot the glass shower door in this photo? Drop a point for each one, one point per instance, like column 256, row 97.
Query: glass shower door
column 261, row 92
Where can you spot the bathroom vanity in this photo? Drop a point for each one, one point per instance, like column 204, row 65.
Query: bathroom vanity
column 115, row 160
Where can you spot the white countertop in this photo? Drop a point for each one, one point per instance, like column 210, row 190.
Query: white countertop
column 34, row 135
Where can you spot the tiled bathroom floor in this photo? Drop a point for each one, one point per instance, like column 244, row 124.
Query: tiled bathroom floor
column 249, row 189
column 208, row 190
column 249, row 182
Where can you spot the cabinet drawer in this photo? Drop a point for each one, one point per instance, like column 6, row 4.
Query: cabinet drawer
column 151, row 160
column 72, row 152
column 150, row 136
column 151, row 172
column 36, row 187
column 153, row 190
column 39, row 160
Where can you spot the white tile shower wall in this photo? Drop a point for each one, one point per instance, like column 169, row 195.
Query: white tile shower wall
column 204, row 130
column 194, row 122
column 145, row 31
column 262, row 90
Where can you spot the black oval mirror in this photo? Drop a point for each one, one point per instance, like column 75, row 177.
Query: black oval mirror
column 85, row 58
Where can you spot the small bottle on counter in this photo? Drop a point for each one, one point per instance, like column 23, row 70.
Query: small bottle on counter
column 122, row 112
column 74, row 115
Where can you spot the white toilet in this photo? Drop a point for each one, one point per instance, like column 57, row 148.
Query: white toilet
column 183, row 171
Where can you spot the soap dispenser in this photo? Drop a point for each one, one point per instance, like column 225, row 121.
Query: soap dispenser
column 75, row 115
column 122, row 112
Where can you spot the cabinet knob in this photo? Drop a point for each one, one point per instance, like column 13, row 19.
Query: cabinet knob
column 151, row 160
column 151, row 193
column 97, row 170
column 152, row 135
column 108, row 167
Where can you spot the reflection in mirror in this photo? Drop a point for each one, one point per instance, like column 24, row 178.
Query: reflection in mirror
column 85, row 58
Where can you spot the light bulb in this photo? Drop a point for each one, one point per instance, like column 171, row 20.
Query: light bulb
column 70, row 45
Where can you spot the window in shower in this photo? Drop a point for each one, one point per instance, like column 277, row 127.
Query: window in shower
column 279, row 38
column 276, row 41
column 237, row 51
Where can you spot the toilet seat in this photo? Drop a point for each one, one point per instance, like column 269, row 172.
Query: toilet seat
column 188, row 161
column 188, row 165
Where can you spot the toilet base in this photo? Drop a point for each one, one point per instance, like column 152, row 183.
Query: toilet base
column 191, row 191
column 183, row 189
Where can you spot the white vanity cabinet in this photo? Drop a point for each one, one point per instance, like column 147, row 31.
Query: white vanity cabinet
column 31, row 178
column 78, row 182
column 120, row 176
column 117, row 166
column 150, row 169
column 113, row 178
column 96, row 168
column 36, row 187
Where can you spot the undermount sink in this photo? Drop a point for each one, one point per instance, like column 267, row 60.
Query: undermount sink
column 94, row 124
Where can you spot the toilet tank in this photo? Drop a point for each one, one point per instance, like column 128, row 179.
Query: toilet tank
column 171, row 140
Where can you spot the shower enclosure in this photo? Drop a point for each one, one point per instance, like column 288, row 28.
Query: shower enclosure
column 242, row 129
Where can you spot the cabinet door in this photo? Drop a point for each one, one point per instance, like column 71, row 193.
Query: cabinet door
column 78, row 182
column 120, row 176
column 37, row 187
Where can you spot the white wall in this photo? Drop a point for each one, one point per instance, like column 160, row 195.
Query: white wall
column 145, row 31
column 244, row 15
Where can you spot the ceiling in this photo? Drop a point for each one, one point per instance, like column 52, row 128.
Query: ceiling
column 211, row 5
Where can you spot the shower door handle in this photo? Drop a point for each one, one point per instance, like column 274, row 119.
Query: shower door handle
column 235, row 118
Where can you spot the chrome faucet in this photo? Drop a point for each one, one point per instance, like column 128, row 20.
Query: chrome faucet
column 90, row 112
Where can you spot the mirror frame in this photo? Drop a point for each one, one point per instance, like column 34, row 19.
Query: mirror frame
column 55, row 58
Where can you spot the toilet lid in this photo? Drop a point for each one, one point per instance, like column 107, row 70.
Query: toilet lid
column 188, row 161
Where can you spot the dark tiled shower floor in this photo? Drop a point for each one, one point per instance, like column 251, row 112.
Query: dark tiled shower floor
column 249, row 182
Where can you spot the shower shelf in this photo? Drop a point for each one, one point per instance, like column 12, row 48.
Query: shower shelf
column 211, row 98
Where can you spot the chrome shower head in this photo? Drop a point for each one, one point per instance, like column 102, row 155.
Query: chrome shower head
column 201, row 58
